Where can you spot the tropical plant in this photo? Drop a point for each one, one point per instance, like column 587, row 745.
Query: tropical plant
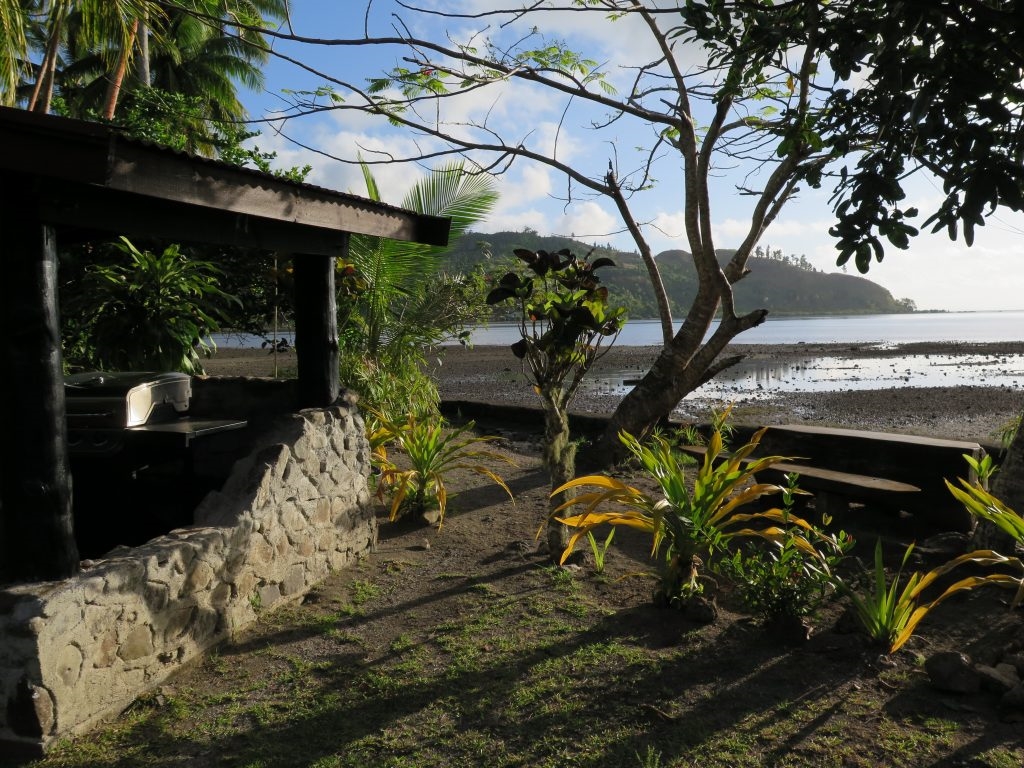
column 780, row 580
column 889, row 615
column 1008, row 432
column 14, row 43
column 109, row 28
column 433, row 451
column 155, row 312
column 983, row 468
column 406, row 305
column 600, row 549
column 564, row 319
column 982, row 504
column 689, row 523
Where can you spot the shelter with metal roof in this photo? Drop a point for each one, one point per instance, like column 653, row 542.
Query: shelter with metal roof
column 61, row 177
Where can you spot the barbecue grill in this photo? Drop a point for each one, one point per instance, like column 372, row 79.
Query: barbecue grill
column 107, row 410
column 130, row 440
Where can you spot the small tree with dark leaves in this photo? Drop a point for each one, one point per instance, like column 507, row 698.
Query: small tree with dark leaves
column 566, row 324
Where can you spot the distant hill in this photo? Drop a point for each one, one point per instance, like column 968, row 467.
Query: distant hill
column 782, row 285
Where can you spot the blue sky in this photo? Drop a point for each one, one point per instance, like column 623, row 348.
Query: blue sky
column 935, row 272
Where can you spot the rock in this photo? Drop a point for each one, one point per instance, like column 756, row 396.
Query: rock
column 953, row 671
column 996, row 680
column 1017, row 659
column 701, row 610
column 1013, row 698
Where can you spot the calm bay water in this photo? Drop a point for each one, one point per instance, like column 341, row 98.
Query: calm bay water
column 865, row 329
column 761, row 378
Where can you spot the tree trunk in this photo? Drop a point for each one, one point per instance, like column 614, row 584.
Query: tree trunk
column 117, row 76
column 42, row 92
column 142, row 73
column 1008, row 487
column 681, row 367
column 560, row 462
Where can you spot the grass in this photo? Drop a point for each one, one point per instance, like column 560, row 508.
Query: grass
column 515, row 663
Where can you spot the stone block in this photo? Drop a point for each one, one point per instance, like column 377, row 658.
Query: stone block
column 269, row 594
column 261, row 552
column 69, row 665
column 138, row 644
column 220, row 595
column 294, row 581
column 291, row 517
column 953, row 671
column 104, row 649
column 199, row 577
column 176, row 623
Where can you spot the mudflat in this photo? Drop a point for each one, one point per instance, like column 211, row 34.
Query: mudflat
column 493, row 374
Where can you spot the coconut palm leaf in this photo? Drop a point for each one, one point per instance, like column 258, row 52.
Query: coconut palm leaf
column 13, row 51
column 392, row 269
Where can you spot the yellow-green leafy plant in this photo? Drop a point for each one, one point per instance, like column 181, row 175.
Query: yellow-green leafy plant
column 984, row 468
column 889, row 614
column 981, row 503
column 600, row 549
column 689, row 522
column 432, row 451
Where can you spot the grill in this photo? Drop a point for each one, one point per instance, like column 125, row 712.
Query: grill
column 107, row 411
column 121, row 400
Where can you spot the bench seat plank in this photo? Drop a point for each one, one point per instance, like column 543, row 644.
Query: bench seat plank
column 855, row 486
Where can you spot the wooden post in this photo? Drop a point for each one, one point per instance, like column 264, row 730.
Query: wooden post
column 36, row 522
column 316, row 330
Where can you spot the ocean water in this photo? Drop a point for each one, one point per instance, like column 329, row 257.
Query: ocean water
column 822, row 374
column 862, row 329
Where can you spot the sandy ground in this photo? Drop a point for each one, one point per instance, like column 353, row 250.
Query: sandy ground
column 492, row 374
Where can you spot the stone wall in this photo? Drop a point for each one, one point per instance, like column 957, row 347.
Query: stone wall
column 80, row 650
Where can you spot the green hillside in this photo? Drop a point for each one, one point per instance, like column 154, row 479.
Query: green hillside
column 784, row 286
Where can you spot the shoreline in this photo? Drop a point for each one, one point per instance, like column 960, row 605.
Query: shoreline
column 493, row 374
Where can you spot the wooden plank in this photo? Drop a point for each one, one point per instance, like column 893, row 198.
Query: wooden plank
column 798, row 430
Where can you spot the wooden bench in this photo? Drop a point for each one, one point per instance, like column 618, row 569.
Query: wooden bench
column 894, row 471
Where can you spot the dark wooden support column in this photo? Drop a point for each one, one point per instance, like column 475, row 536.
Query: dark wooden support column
column 316, row 330
column 36, row 525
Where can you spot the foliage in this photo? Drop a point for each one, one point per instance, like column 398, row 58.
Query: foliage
column 98, row 53
column 154, row 312
column 984, row 468
column 782, row 579
column 600, row 549
column 433, row 452
column 940, row 90
column 563, row 316
column 687, row 524
column 981, row 503
column 1009, row 431
column 890, row 615
column 400, row 306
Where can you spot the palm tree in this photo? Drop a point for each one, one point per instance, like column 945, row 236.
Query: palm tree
column 394, row 269
column 404, row 304
column 13, row 50
column 201, row 49
column 107, row 27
